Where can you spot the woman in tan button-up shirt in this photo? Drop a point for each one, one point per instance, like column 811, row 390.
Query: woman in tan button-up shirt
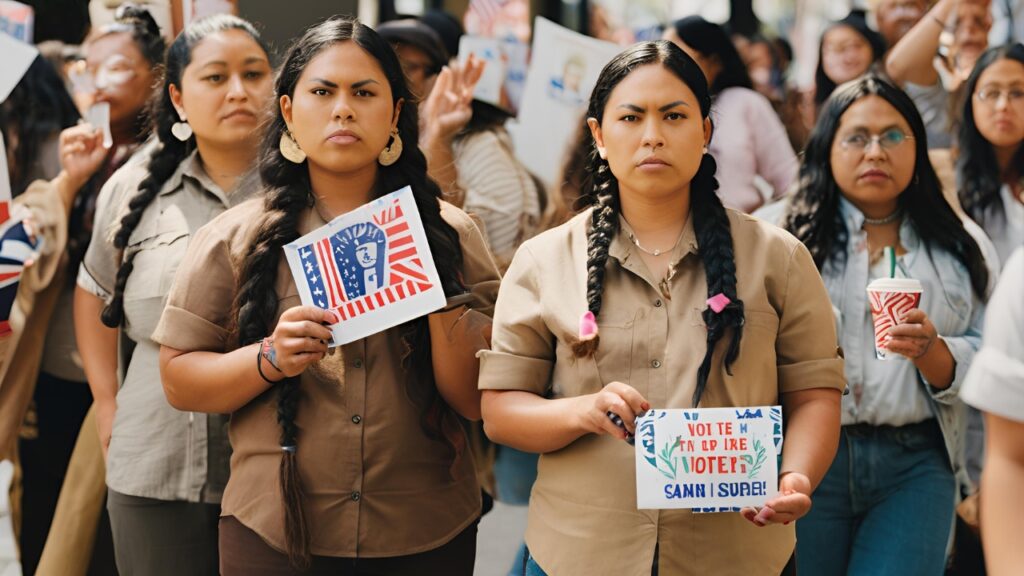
column 353, row 457
column 656, row 246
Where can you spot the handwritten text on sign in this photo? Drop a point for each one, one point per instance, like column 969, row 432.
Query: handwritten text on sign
column 710, row 459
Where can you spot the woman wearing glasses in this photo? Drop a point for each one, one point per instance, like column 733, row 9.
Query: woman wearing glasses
column 990, row 168
column 886, row 504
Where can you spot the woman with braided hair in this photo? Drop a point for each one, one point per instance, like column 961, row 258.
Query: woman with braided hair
column 350, row 460
column 680, row 303
column 866, row 184
column 166, row 469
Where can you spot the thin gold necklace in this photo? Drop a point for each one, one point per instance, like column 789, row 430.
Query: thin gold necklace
column 655, row 252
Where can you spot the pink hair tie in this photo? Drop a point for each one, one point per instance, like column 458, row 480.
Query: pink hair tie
column 718, row 302
column 588, row 326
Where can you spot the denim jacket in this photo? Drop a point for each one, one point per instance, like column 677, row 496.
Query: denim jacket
column 951, row 305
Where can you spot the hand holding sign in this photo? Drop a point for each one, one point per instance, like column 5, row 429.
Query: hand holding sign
column 792, row 503
column 299, row 339
column 620, row 399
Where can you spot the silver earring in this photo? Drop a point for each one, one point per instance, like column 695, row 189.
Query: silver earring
column 182, row 130
column 705, row 149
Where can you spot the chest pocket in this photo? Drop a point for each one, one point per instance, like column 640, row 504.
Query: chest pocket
column 157, row 246
column 754, row 378
column 611, row 362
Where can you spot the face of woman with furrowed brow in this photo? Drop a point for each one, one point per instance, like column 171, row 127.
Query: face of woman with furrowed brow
column 341, row 112
column 652, row 133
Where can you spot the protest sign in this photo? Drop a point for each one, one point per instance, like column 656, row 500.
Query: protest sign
column 504, row 76
column 564, row 67
column 708, row 459
column 17, row 57
column 17, row 246
column 17, row 20
column 371, row 266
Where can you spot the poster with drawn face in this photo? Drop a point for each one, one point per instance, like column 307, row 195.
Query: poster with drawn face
column 564, row 67
column 708, row 459
column 372, row 267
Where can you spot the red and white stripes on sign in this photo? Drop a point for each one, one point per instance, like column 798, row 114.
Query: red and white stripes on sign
column 332, row 279
column 405, row 277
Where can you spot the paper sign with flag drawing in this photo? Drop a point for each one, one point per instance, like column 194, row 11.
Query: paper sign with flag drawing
column 371, row 266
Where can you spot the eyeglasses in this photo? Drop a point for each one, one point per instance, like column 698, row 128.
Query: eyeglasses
column 993, row 95
column 888, row 140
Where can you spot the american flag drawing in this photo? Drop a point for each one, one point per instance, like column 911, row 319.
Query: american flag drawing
column 16, row 247
column 366, row 264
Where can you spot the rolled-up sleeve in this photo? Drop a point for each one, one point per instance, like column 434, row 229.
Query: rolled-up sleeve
column 522, row 347
column 806, row 348
column 98, row 271
column 995, row 381
column 198, row 311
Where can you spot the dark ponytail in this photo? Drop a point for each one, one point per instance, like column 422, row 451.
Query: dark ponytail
column 288, row 195
column 169, row 153
column 711, row 223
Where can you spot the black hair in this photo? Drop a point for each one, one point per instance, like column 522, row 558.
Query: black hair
column 977, row 171
column 447, row 26
column 711, row 40
column 139, row 23
column 814, row 214
column 485, row 117
column 144, row 30
column 36, row 111
column 823, row 85
column 287, row 197
column 170, row 152
column 711, row 223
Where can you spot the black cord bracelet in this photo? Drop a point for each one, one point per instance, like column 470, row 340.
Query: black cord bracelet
column 259, row 364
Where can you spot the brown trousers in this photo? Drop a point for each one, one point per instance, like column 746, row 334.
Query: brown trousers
column 244, row 553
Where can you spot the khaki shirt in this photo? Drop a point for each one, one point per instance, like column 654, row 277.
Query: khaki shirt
column 375, row 485
column 583, row 517
column 157, row 451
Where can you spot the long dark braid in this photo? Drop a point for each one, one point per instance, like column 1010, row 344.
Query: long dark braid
column 711, row 223
column 169, row 153
column 288, row 196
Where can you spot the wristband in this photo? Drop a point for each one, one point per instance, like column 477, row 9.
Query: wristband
column 266, row 350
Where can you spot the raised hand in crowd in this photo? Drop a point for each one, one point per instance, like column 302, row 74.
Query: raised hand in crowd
column 444, row 113
column 81, row 155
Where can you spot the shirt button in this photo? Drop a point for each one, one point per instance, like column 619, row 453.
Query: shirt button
column 357, row 419
column 356, row 496
column 656, row 363
column 358, row 363
column 657, row 303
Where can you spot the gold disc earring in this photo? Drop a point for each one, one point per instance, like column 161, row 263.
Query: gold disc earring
column 290, row 148
column 390, row 155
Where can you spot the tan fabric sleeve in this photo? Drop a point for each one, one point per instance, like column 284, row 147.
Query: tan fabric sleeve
column 522, row 348
column 806, row 346
column 198, row 311
column 98, row 271
column 479, row 270
column 50, row 222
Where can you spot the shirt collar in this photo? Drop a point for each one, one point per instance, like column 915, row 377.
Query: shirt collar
column 622, row 248
column 192, row 168
column 854, row 219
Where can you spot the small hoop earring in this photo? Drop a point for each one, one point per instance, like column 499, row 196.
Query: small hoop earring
column 290, row 148
column 390, row 155
column 705, row 149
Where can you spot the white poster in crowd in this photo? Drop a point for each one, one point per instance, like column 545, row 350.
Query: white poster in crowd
column 504, row 76
column 372, row 267
column 15, row 58
column 564, row 67
column 708, row 459
column 18, row 20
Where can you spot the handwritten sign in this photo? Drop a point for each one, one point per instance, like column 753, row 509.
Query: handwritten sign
column 708, row 459
column 372, row 267
column 564, row 67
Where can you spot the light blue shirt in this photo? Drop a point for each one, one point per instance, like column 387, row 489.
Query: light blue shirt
column 1004, row 224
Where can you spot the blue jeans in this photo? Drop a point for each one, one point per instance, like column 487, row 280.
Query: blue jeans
column 885, row 506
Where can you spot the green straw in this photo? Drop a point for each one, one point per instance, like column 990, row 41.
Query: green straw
column 891, row 253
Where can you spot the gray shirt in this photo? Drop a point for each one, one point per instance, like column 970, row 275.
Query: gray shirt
column 933, row 104
column 157, row 451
